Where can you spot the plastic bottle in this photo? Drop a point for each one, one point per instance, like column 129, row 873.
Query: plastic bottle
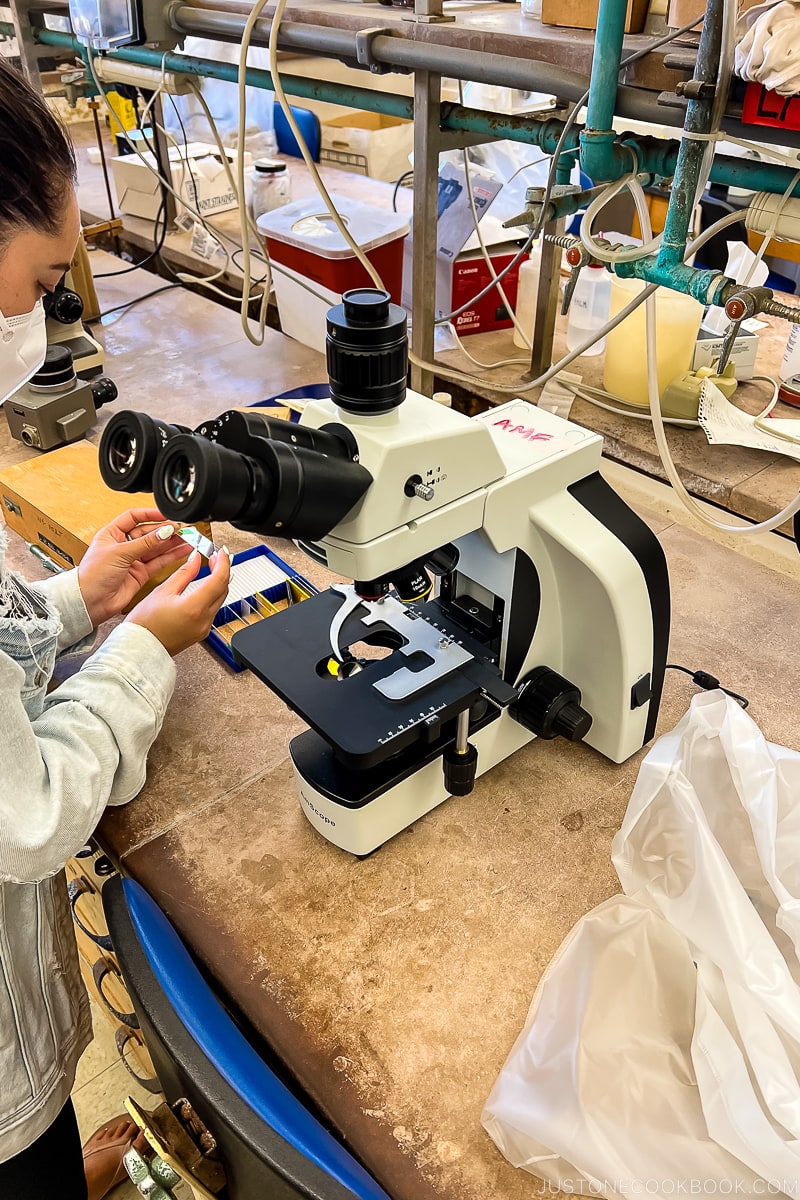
column 677, row 324
column 789, row 372
column 790, row 365
column 588, row 310
column 269, row 186
column 532, row 9
column 527, row 288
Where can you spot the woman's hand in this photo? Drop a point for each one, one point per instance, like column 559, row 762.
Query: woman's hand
column 122, row 557
column 177, row 618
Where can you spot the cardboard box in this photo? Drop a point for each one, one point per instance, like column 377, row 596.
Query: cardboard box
column 461, row 270
column 198, row 176
column 582, row 14
column 681, row 12
column 368, row 144
column 743, row 356
column 469, row 275
column 58, row 501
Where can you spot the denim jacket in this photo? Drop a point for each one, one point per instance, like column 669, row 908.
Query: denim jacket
column 63, row 758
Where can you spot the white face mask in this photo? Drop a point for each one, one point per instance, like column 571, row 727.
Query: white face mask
column 23, row 345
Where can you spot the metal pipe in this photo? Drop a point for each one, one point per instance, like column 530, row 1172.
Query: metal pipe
column 452, row 61
column 692, row 151
column 597, row 139
column 427, row 89
column 705, row 286
column 655, row 156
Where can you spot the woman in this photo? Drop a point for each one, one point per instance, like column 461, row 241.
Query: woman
column 65, row 755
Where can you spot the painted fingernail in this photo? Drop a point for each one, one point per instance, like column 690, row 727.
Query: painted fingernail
column 227, row 551
column 165, row 532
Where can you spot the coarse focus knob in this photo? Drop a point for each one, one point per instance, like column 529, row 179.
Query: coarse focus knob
column 550, row 706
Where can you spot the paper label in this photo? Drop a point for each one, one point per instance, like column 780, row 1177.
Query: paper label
column 726, row 425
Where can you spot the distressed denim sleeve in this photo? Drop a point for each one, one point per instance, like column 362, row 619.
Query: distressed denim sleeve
column 88, row 748
column 64, row 593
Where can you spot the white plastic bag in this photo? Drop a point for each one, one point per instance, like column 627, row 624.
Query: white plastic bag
column 661, row 1055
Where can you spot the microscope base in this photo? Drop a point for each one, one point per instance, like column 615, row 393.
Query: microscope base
column 361, row 827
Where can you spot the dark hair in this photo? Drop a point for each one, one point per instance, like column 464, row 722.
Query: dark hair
column 37, row 163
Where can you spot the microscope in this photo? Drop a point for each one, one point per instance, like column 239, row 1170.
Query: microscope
column 59, row 404
column 501, row 591
column 64, row 310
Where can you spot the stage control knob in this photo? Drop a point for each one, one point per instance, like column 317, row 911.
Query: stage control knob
column 550, row 706
column 459, row 770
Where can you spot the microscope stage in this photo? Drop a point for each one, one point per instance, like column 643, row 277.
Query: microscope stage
column 291, row 651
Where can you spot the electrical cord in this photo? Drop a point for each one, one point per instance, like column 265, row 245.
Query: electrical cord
column 407, row 175
column 261, row 255
column 708, row 682
column 219, row 236
column 504, row 362
column 168, row 287
column 591, row 394
column 159, row 239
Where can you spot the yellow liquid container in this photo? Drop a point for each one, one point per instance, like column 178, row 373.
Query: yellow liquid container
column 678, row 320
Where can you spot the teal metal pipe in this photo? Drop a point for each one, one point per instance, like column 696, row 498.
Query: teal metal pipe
column 598, row 159
column 655, row 156
column 705, row 286
column 206, row 68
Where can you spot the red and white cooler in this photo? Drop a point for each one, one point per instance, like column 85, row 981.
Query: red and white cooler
column 302, row 239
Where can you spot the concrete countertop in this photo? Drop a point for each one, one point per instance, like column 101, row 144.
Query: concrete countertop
column 393, row 987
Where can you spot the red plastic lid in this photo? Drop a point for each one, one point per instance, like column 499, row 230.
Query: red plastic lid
column 789, row 391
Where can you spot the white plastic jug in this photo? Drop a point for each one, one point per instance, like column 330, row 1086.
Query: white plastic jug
column 678, row 320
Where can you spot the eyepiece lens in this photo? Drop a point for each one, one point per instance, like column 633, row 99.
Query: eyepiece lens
column 180, row 479
column 122, row 451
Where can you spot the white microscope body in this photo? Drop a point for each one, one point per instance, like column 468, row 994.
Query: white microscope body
column 553, row 572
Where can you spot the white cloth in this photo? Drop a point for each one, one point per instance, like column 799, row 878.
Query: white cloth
column 768, row 46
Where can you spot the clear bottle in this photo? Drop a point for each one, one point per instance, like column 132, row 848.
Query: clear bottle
column 589, row 308
column 527, row 289
column 270, row 186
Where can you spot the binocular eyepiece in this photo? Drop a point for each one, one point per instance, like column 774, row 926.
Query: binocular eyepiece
column 262, row 474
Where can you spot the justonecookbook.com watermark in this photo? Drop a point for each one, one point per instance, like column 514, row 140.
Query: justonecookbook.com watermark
column 671, row 1187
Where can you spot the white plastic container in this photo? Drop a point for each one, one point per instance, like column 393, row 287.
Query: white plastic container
column 304, row 241
column 589, row 307
column 790, row 364
column 527, row 289
column 269, row 186
column 678, row 320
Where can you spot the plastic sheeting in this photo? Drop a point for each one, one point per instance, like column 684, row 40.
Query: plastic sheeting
column 222, row 98
column 661, row 1054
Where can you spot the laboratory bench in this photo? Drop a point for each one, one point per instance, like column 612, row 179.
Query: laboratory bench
column 392, row 987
